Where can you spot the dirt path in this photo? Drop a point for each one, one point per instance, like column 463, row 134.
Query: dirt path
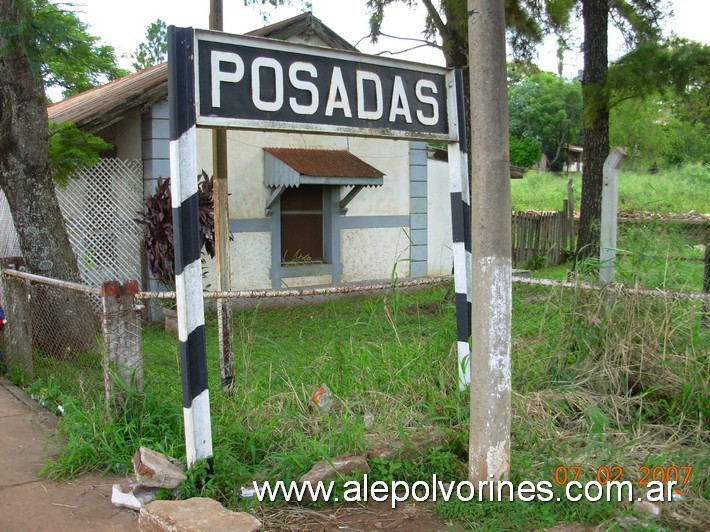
column 28, row 502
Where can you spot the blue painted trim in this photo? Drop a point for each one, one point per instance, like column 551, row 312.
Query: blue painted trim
column 373, row 222
column 253, row 225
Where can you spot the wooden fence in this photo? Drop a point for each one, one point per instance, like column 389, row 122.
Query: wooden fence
column 542, row 236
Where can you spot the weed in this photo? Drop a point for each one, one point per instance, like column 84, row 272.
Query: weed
column 598, row 380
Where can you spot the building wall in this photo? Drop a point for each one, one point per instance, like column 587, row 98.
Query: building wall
column 439, row 238
column 369, row 238
column 125, row 136
column 402, row 226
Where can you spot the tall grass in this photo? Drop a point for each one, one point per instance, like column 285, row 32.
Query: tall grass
column 674, row 191
column 598, row 380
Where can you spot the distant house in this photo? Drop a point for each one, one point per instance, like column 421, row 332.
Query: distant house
column 574, row 158
column 304, row 209
column 573, row 164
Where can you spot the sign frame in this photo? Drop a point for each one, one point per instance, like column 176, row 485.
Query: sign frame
column 184, row 119
column 340, row 57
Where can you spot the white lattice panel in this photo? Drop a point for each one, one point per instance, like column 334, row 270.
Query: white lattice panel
column 9, row 244
column 100, row 206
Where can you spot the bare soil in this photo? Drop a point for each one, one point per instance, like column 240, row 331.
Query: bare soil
column 29, row 502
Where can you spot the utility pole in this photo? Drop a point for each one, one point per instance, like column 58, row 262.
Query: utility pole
column 221, row 222
column 491, row 271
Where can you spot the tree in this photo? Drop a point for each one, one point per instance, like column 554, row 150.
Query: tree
column 59, row 48
column 639, row 22
column 547, row 110
column 527, row 22
column 26, row 178
column 524, row 152
column 659, row 96
column 155, row 50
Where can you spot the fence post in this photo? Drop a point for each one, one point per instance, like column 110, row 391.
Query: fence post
column 17, row 341
column 610, row 199
column 570, row 214
column 121, row 332
column 705, row 320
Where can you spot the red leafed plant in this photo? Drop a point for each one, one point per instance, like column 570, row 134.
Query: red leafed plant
column 157, row 222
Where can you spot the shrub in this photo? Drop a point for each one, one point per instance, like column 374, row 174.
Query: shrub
column 524, row 151
column 157, row 224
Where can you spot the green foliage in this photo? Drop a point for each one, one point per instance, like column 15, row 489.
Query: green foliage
column 97, row 443
column 524, row 151
column 653, row 69
column 518, row 70
column 71, row 149
column 577, row 356
column 155, row 50
column 661, row 113
column 547, row 110
column 60, row 49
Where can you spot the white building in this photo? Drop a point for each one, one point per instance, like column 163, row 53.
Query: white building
column 304, row 209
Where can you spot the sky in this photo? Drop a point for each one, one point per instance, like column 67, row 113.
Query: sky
column 123, row 25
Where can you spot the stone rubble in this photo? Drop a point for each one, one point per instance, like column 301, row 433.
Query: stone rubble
column 154, row 469
column 194, row 515
column 130, row 494
column 345, row 464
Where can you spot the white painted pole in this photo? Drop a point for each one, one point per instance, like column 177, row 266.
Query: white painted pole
column 491, row 240
column 188, row 269
column 460, row 224
column 610, row 201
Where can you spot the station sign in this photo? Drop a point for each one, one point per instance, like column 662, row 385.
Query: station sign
column 256, row 83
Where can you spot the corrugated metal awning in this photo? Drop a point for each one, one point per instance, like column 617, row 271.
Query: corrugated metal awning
column 291, row 167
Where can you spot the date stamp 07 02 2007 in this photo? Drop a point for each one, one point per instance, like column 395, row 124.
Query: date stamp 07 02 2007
column 680, row 475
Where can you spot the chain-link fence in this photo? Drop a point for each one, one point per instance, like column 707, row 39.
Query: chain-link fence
column 71, row 337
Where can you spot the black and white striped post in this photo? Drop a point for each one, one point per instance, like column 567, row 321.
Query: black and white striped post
column 461, row 229
column 188, row 273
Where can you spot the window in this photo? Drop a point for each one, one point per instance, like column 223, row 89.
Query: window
column 302, row 224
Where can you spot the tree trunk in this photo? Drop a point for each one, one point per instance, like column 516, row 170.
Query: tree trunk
column 595, row 125
column 26, row 180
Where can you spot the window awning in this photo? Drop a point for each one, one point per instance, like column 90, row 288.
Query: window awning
column 291, row 167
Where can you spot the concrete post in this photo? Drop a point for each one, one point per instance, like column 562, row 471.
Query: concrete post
column 610, row 200
column 122, row 336
column 489, row 447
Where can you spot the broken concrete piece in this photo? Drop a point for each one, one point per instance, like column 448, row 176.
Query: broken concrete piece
column 156, row 470
column 194, row 515
column 345, row 464
column 647, row 509
column 130, row 494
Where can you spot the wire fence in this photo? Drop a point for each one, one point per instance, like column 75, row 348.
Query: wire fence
column 666, row 254
column 86, row 340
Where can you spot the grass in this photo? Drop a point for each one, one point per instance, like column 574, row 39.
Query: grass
column 596, row 382
column 674, row 191
column 652, row 254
